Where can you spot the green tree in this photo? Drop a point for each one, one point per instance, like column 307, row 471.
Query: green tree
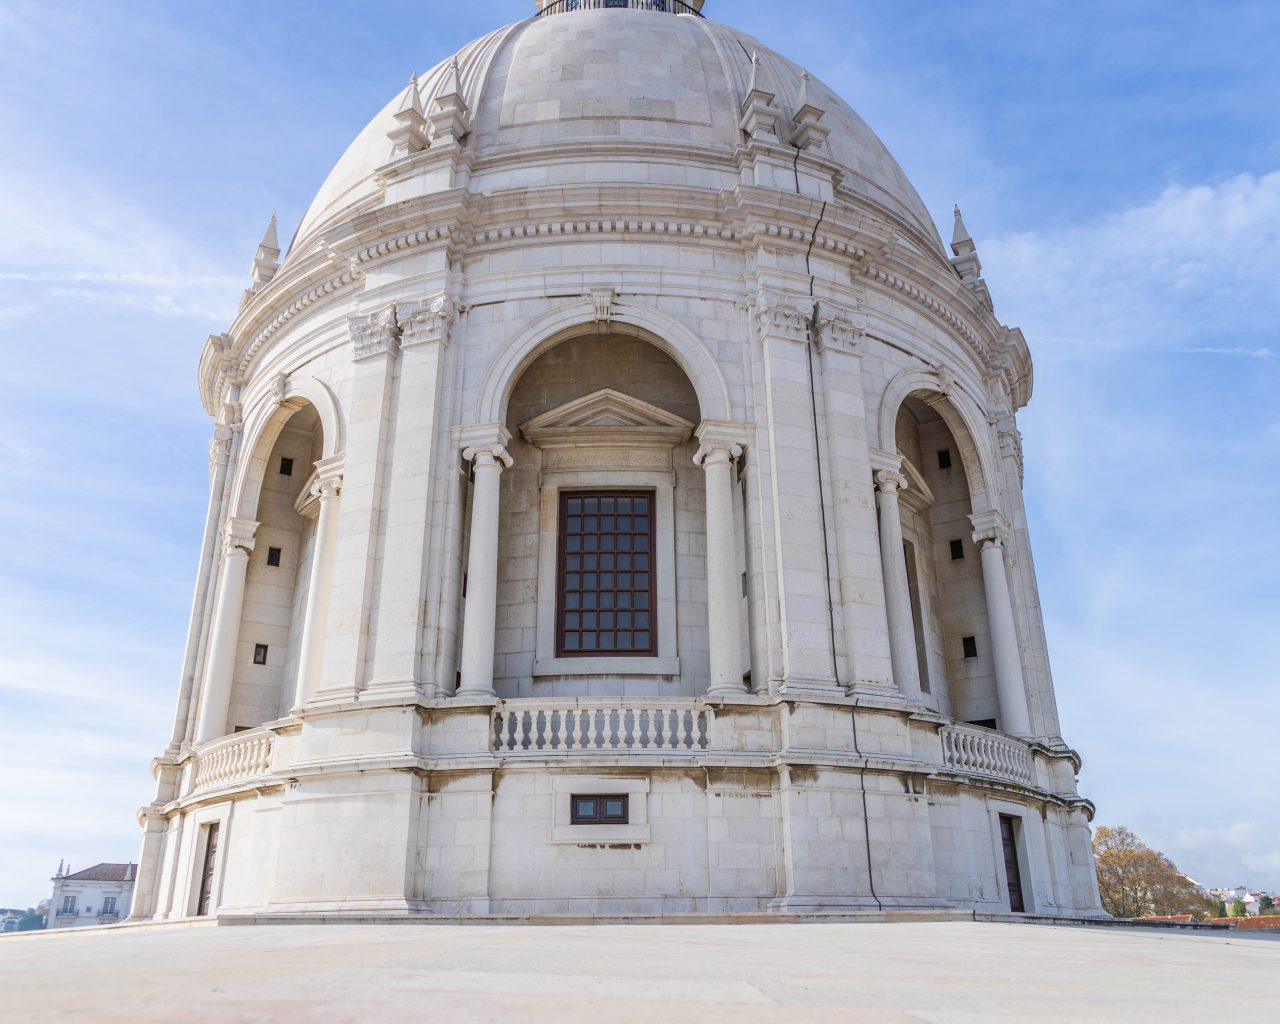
column 1266, row 903
column 1218, row 909
column 1137, row 881
column 1236, row 909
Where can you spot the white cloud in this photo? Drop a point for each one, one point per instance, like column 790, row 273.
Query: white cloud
column 1197, row 262
column 99, row 251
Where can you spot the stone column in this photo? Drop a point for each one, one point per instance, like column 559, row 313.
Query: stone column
column 326, row 488
column 897, row 591
column 989, row 534
column 716, row 457
column 488, row 453
column 220, row 671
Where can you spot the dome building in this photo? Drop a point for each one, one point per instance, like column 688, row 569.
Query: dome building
column 616, row 510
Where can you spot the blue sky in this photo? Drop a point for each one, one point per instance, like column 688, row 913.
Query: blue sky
column 1119, row 168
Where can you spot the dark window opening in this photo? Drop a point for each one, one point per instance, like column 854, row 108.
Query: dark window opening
column 286, row 467
column 259, row 654
column 1012, row 873
column 944, row 458
column 609, row 809
column 205, row 899
column 273, row 556
column 985, row 723
column 970, row 646
column 957, row 550
column 607, row 588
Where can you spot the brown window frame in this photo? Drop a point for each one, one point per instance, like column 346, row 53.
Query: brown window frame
column 571, row 622
column 599, row 816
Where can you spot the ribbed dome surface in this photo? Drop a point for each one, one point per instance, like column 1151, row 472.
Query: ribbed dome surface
column 620, row 74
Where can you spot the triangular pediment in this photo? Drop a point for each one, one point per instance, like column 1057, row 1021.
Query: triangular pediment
column 607, row 417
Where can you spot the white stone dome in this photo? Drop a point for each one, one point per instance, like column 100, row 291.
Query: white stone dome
column 645, row 77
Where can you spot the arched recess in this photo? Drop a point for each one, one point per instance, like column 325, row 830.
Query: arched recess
column 602, row 434
column 263, row 426
column 273, row 611
column 962, row 416
column 658, row 329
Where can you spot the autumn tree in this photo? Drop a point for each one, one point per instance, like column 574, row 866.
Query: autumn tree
column 1137, row 881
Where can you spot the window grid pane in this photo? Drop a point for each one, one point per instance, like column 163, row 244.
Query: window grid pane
column 607, row 593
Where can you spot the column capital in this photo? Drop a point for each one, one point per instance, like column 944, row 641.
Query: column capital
column 990, row 527
column 238, row 535
column 721, row 435
column 839, row 329
column 485, row 439
column 375, row 334
column 328, row 478
column 782, row 316
column 890, row 461
column 421, row 323
column 890, row 482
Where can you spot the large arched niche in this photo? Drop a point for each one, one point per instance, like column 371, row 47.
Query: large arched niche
column 263, row 427
column 595, row 413
column 543, row 333
column 963, row 418
column 944, row 571
column 280, row 564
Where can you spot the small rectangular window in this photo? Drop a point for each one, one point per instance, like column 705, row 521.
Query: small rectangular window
column 108, row 906
column 957, row 550
column 273, row 556
column 259, row 654
column 970, row 647
column 286, row 467
column 599, row 809
column 68, row 904
column 944, row 458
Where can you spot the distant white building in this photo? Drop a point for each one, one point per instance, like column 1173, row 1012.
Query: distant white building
column 101, row 894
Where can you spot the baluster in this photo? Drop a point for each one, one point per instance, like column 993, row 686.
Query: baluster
column 629, row 718
column 557, row 722
column 645, row 724
column 675, row 728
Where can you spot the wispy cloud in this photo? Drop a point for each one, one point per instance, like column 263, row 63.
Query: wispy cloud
column 1192, row 270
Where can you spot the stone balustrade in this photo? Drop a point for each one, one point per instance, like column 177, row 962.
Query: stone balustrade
column 232, row 758
column 583, row 725
column 977, row 751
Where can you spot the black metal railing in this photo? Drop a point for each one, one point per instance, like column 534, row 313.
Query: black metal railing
column 663, row 6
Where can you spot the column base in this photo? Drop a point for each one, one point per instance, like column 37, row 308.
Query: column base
column 813, row 686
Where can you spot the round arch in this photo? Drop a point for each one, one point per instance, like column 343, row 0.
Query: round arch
column 963, row 418
column 263, row 426
column 658, row 329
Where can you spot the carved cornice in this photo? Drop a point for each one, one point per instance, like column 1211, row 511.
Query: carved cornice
column 374, row 335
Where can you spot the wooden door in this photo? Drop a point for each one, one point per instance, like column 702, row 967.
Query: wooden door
column 1012, row 874
column 206, row 876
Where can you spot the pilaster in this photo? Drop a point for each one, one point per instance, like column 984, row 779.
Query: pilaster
column 424, row 336
column 864, row 621
column 375, row 340
column 803, row 591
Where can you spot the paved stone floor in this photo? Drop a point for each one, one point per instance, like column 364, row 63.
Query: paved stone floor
column 952, row 971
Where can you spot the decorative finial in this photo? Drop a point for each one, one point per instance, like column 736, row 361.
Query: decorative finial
column 808, row 134
column 759, row 115
column 59, row 874
column 449, row 120
column 410, row 132
column 966, row 253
